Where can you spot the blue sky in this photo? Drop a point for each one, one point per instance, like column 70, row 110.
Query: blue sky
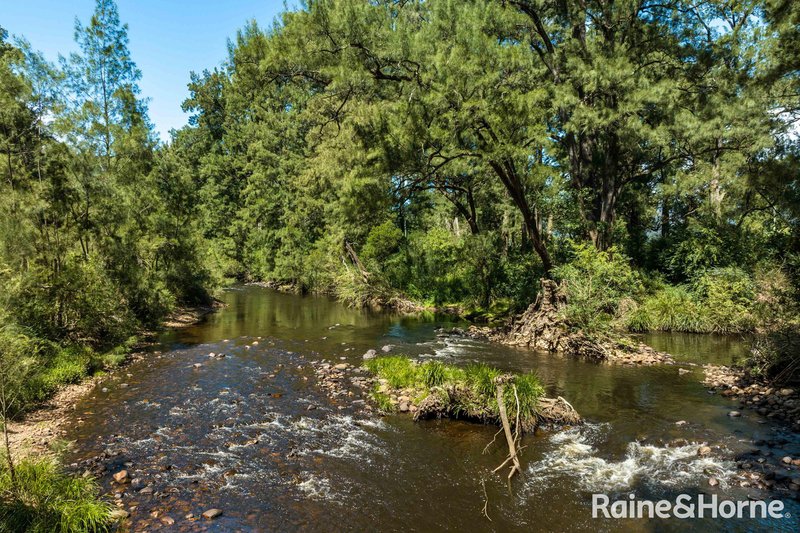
column 168, row 39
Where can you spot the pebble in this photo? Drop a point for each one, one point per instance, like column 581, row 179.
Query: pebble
column 712, row 481
column 370, row 354
column 121, row 476
column 734, row 414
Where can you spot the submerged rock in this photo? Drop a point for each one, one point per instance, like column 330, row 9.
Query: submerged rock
column 212, row 514
column 370, row 354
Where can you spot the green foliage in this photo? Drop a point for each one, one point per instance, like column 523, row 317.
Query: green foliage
column 433, row 373
column 480, row 377
column 596, row 283
column 400, row 371
column 669, row 309
column 45, row 499
column 522, row 396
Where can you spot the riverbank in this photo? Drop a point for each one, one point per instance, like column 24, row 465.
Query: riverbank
column 41, row 429
column 396, row 303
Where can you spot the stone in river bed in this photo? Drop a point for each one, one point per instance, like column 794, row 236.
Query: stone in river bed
column 787, row 460
column 387, row 348
column 341, row 366
column 704, row 450
column 121, row 476
column 167, row 521
column 734, row 414
column 370, row 354
column 211, row 514
column 403, row 407
column 713, row 481
column 119, row 514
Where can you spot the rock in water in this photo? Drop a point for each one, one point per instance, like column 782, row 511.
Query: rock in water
column 212, row 514
column 370, row 354
column 387, row 348
column 121, row 476
column 704, row 450
column 734, row 414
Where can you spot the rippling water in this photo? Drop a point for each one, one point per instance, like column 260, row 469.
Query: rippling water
column 251, row 434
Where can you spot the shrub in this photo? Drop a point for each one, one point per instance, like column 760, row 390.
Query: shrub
column 596, row 282
column 727, row 296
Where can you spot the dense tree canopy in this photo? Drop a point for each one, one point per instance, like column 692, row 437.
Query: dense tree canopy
column 455, row 150
column 448, row 151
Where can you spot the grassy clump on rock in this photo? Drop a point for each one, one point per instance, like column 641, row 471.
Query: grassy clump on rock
column 433, row 390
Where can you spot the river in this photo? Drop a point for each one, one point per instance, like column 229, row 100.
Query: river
column 253, row 435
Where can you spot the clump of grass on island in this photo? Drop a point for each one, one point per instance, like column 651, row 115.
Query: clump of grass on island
column 42, row 497
column 439, row 390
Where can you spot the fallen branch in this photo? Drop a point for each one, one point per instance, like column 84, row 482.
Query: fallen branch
column 510, row 439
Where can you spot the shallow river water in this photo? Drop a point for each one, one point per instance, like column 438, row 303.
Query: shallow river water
column 238, row 433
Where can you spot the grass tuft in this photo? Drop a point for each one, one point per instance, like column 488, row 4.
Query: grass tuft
column 46, row 499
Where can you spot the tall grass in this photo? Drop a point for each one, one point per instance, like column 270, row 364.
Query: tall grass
column 45, row 499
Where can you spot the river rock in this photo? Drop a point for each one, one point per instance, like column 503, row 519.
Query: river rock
column 403, row 407
column 786, row 392
column 341, row 366
column 387, row 348
column 787, row 460
column 119, row 514
column 212, row 514
column 704, row 450
column 683, row 371
column 734, row 414
column 370, row 354
column 167, row 521
column 121, row 476
column 712, row 481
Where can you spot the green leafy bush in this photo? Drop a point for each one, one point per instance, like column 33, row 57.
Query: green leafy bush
column 596, row 283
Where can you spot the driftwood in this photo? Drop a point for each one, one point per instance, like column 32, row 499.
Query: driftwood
column 511, row 440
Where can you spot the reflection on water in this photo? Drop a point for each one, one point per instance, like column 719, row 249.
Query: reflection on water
column 698, row 348
column 251, row 434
